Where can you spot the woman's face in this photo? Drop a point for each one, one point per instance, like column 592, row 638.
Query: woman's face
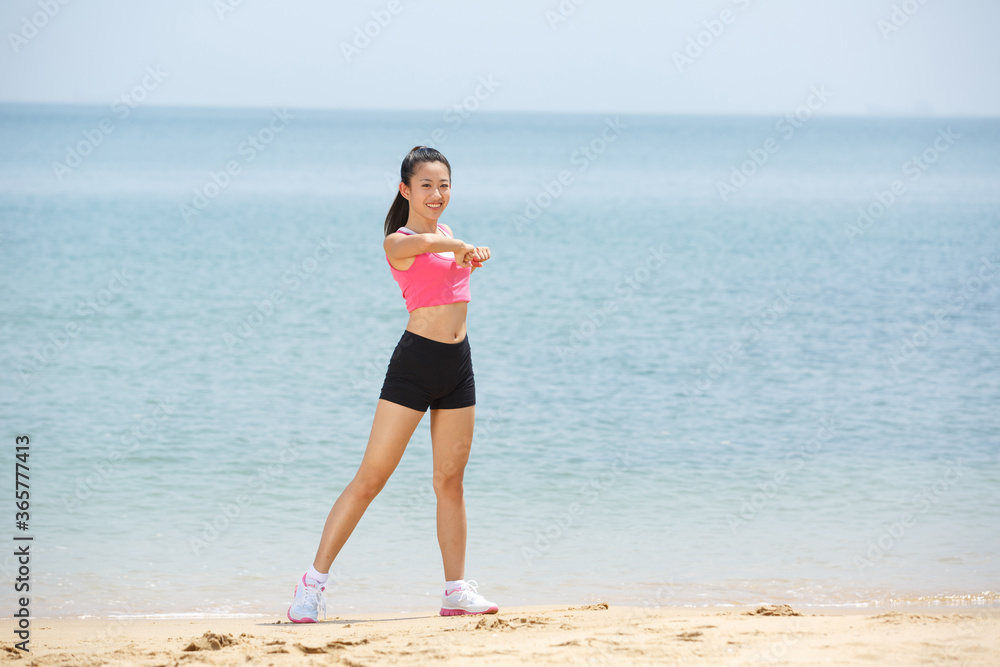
column 429, row 191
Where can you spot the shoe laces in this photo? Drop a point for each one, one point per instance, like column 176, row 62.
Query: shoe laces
column 314, row 595
column 469, row 591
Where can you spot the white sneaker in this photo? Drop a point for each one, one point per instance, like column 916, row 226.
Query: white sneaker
column 466, row 600
column 307, row 603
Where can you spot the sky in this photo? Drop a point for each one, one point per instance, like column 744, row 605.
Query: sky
column 869, row 57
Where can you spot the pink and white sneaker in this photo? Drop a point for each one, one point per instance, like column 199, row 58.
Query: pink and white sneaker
column 307, row 603
column 465, row 600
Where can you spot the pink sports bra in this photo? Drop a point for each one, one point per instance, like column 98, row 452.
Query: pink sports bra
column 433, row 279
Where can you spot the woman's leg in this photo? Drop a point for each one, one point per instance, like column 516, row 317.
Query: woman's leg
column 391, row 431
column 451, row 439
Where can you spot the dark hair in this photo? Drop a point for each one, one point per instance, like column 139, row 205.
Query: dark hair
column 399, row 212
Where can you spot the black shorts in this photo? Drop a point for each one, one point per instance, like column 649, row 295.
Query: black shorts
column 426, row 373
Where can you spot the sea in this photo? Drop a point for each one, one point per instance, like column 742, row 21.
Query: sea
column 720, row 360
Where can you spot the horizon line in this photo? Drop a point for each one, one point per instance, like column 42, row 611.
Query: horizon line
column 494, row 112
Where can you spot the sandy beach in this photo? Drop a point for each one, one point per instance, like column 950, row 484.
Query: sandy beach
column 590, row 634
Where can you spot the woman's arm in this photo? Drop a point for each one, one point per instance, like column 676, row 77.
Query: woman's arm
column 399, row 246
column 482, row 252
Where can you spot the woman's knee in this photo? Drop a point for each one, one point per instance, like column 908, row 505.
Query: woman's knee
column 368, row 485
column 448, row 484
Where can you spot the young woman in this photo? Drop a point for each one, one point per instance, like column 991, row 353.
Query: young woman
column 431, row 367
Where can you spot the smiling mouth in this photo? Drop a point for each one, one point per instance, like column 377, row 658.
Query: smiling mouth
column 435, row 206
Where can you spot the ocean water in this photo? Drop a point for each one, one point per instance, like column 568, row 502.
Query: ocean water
column 781, row 389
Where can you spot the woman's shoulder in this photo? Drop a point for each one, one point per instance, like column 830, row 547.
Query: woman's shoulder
column 407, row 231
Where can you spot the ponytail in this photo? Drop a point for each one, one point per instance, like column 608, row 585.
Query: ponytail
column 399, row 212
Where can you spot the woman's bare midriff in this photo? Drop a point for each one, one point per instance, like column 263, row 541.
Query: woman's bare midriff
column 445, row 323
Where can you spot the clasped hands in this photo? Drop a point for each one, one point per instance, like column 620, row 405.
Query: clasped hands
column 469, row 255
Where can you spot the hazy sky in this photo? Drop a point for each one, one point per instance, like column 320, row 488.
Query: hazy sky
column 939, row 57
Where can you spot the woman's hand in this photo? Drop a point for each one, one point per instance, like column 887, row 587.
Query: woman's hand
column 473, row 256
column 480, row 255
column 465, row 255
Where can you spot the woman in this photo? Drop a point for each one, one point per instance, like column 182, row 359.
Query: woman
column 431, row 367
